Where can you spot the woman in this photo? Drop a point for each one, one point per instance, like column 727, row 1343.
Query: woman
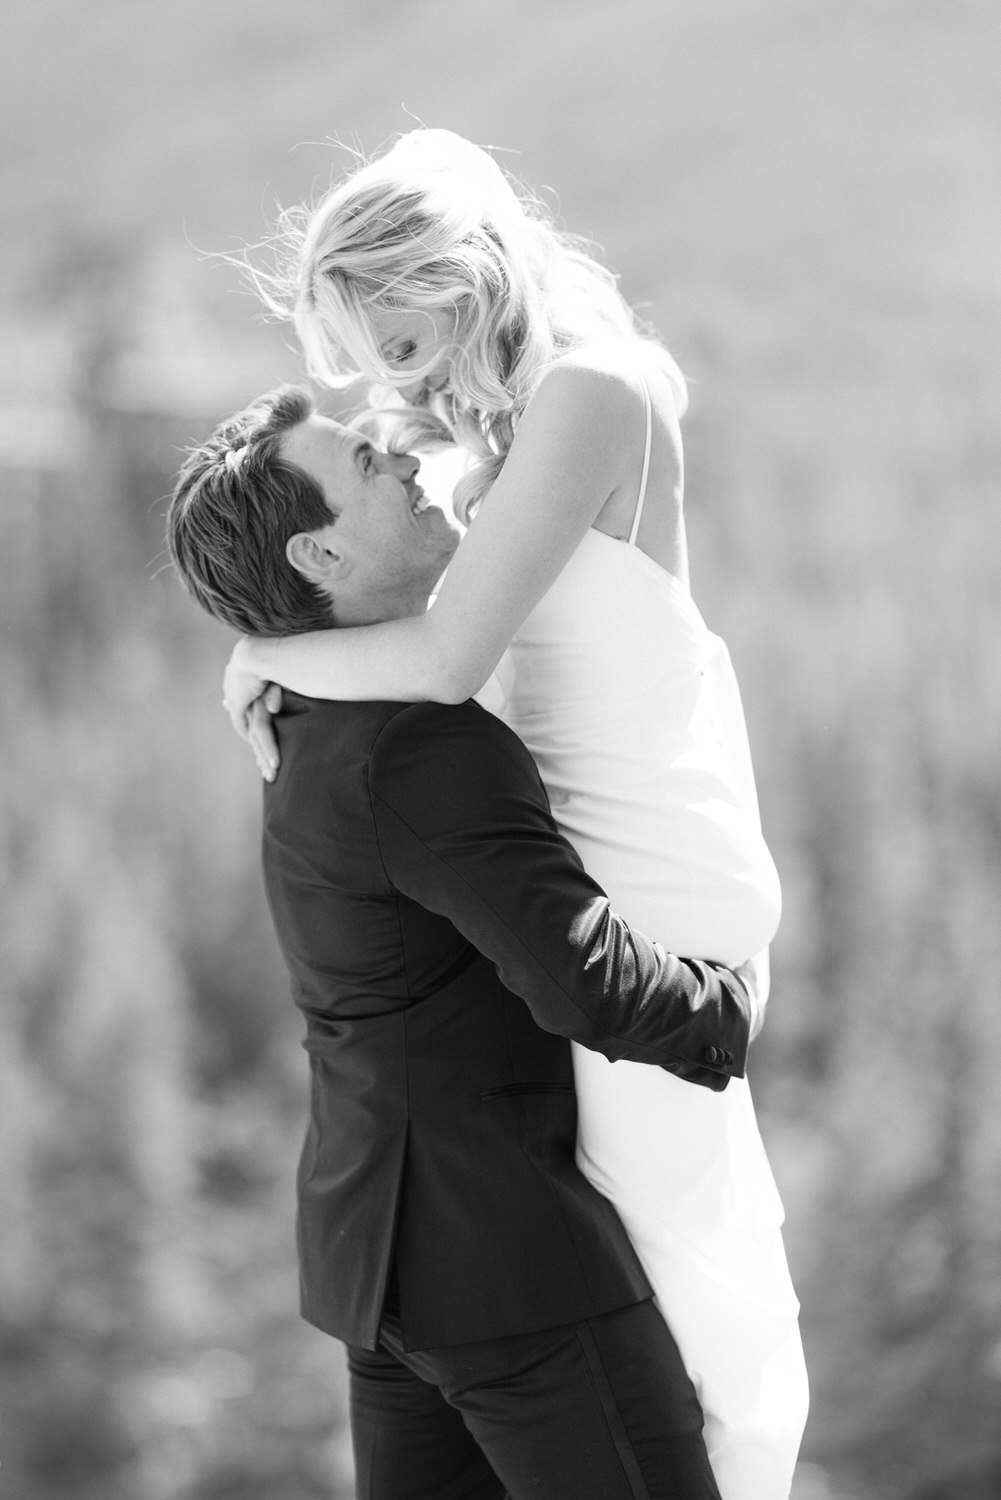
column 426, row 273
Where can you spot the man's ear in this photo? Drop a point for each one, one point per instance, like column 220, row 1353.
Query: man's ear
column 316, row 557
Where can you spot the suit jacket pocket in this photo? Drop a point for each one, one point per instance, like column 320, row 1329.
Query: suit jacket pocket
column 509, row 1090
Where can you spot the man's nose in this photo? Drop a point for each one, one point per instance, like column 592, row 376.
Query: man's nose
column 404, row 465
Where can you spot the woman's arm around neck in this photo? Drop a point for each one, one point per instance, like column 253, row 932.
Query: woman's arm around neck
column 576, row 442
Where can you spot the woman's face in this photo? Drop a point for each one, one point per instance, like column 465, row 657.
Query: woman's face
column 423, row 341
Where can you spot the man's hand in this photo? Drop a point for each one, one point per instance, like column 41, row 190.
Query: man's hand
column 251, row 701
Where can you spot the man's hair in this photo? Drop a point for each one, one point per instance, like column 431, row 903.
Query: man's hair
column 234, row 506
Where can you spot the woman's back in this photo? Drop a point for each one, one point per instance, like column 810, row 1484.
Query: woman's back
column 630, row 706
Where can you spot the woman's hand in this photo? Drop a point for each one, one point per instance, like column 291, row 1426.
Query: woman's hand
column 250, row 700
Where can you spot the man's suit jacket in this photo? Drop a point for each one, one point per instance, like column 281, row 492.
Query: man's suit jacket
column 422, row 895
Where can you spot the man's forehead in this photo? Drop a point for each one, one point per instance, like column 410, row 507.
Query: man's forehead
column 320, row 437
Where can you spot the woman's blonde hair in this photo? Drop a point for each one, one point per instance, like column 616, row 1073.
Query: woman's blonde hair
column 433, row 224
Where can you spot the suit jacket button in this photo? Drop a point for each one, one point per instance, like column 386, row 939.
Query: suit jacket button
column 713, row 1055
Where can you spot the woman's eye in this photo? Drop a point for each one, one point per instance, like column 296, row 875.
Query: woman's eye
column 403, row 352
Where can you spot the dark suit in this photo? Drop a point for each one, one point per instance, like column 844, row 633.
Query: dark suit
column 422, row 896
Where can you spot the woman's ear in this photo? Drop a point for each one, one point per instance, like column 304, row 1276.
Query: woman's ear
column 315, row 555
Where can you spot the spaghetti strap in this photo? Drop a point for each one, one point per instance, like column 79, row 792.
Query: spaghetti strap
column 646, row 465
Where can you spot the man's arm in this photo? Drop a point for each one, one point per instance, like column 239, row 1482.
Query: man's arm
column 465, row 830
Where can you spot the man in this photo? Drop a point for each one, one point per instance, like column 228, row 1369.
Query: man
column 501, row 1336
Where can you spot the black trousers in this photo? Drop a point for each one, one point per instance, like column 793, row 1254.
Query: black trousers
column 599, row 1410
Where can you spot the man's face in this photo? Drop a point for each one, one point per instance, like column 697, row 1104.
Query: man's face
column 397, row 544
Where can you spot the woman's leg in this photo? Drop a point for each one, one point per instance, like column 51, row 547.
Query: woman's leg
column 688, row 1175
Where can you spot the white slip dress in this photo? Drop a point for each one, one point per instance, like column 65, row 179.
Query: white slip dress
column 630, row 707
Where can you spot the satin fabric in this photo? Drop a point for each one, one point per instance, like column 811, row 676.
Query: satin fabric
column 631, row 710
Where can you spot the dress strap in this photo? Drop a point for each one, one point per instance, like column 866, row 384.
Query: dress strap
column 638, row 515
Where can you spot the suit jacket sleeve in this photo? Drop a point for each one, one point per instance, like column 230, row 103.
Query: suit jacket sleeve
column 465, row 830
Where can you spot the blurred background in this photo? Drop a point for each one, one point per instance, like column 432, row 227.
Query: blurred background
column 804, row 199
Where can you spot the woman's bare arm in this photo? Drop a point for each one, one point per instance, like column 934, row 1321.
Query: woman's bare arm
column 576, row 440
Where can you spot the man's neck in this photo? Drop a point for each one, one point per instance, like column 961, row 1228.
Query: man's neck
column 377, row 612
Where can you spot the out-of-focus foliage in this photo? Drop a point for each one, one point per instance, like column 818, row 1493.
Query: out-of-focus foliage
column 807, row 197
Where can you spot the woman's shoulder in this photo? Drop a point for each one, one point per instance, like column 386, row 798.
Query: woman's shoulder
column 588, row 391
column 585, row 424
column 627, row 408
column 608, row 377
column 609, row 365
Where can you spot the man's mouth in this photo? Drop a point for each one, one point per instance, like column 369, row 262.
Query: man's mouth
column 419, row 503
